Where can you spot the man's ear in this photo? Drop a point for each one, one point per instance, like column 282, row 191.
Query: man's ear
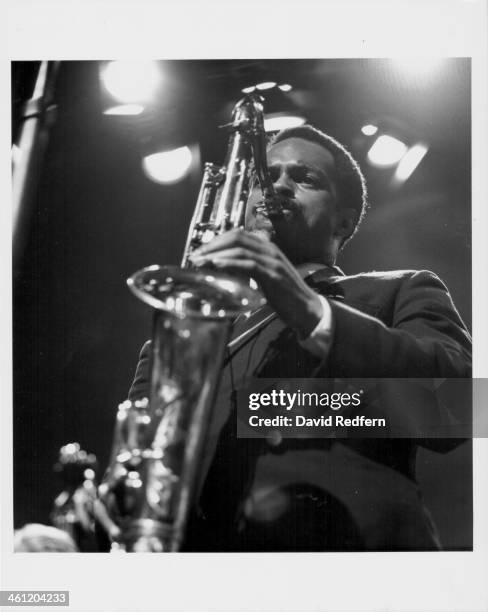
column 346, row 222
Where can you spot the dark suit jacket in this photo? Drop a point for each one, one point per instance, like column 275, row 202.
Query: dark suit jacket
column 287, row 495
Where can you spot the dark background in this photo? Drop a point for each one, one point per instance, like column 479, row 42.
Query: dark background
column 96, row 219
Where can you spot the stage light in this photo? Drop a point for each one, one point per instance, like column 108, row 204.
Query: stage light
column 125, row 109
column 276, row 122
column 386, row 151
column 285, row 87
column 265, row 85
column 417, row 66
column 369, row 129
column 16, row 155
column 409, row 162
column 247, row 90
column 168, row 166
column 131, row 81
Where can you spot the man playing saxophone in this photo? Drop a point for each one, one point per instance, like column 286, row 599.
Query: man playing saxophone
column 285, row 494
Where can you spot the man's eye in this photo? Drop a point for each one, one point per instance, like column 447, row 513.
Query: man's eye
column 305, row 176
column 274, row 174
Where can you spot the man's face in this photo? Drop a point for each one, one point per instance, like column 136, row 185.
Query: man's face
column 303, row 176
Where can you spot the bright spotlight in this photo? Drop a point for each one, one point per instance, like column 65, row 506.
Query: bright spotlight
column 131, row 81
column 274, row 123
column 418, row 66
column 16, row 155
column 285, row 87
column 409, row 162
column 125, row 109
column 386, row 151
column 369, row 129
column 247, row 90
column 265, row 85
column 169, row 166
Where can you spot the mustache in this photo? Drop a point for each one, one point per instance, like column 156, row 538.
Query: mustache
column 263, row 205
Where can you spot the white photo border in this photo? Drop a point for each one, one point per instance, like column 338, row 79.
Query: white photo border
column 255, row 29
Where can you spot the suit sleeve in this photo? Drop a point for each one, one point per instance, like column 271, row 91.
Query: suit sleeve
column 427, row 337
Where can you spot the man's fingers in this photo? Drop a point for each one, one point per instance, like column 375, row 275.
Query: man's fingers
column 232, row 253
column 234, row 239
column 263, row 269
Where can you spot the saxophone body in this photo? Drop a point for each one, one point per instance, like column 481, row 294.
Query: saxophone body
column 159, row 442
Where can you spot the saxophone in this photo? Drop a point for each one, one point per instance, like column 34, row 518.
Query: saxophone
column 159, row 441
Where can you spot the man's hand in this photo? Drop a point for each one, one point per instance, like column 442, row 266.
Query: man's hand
column 252, row 255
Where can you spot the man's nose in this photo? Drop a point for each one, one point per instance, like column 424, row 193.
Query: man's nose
column 284, row 186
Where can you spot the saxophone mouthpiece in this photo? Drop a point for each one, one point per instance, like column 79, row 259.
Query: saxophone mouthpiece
column 271, row 207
